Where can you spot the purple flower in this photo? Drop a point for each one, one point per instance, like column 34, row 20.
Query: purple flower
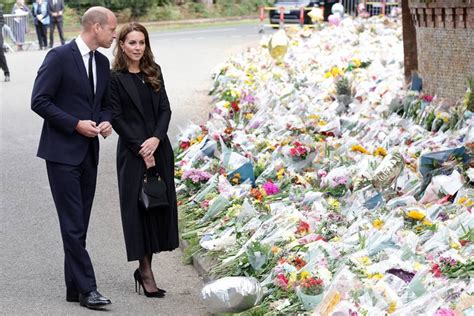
column 270, row 188
column 196, row 175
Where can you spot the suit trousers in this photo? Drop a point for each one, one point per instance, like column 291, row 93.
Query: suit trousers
column 59, row 24
column 73, row 190
column 3, row 60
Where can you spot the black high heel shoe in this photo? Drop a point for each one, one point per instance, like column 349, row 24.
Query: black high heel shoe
column 139, row 283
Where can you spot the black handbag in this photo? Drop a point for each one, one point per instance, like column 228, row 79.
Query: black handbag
column 153, row 193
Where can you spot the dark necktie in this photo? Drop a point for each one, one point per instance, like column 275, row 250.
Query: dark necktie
column 91, row 73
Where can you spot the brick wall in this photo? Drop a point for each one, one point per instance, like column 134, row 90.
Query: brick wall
column 445, row 44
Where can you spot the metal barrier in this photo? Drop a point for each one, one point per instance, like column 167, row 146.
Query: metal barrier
column 18, row 31
column 362, row 8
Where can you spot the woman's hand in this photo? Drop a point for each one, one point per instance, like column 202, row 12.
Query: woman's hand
column 149, row 146
column 149, row 161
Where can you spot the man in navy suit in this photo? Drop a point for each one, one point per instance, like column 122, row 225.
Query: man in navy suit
column 56, row 10
column 71, row 95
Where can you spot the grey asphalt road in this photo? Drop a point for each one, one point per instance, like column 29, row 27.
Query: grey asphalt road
column 31, row 256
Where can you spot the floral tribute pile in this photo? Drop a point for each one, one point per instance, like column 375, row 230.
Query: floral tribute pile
column 322, row 177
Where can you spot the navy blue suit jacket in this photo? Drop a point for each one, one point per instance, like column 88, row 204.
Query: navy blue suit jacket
column 62, row 96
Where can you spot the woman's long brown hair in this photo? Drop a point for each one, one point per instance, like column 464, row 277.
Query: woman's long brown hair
column 147, row 64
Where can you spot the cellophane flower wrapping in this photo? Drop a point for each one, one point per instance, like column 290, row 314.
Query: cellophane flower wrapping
column 370, row 192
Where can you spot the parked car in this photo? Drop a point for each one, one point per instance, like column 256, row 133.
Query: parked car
column 292, row 10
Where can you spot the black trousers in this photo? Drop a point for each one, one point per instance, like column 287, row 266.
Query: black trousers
column 41, row 33
column 59, row 24
column 73, row 189
column 3, row 60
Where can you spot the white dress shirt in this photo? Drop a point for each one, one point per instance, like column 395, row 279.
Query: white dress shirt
column 84, row 50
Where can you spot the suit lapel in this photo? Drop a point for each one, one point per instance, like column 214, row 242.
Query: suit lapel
column 82, row 70
column 129, row 86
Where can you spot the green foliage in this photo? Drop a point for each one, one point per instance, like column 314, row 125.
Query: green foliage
column 163, row 13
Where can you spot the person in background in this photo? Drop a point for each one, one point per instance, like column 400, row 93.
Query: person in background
column 56, row 10
column 7, row 31
column 3, row 60
column 71, row 94
column 20, row 27
column 41, row 18
column 141, row 115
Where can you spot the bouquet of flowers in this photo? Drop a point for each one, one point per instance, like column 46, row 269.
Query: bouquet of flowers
column 298, row 151
column 310, row 285
column 194, row 178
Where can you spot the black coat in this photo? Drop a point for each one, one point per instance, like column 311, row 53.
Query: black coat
column 144, row 232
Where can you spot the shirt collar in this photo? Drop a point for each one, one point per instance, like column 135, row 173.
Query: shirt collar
column 83, row 48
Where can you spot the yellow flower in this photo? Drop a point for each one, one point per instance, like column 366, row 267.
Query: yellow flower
column 313, row 117
column 199, row 138
column 356, row 62
column 380, row 151
column 455, row 245
column 416, row 215
column 377, row 223
column 376, row 276
column 427, row 223
column 227, row 104
column 333, row 204
column 280, row 173
column 322, row 123
column 178, row 173
column 465, row 201
column 292, row 277
column 248, row 116
column 359, row 148
column 392, row 307
column 336, row 72
column 365, row 260
column 417, row 266
column 304, row 275
column 236, row 179
column 327, row 74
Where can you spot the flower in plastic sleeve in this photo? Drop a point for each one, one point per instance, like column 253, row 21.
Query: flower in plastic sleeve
column 445, row 312
column 392, row 307
column 416, row 215
column 377, row 223
column 270, row 188
column 360, row 149
column 380, row 151
column 281, row 281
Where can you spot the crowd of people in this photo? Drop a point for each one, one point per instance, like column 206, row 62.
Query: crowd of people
column 46, row 15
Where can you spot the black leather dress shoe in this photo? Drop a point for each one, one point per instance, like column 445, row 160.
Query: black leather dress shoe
column 93, row 300
column 72, row 296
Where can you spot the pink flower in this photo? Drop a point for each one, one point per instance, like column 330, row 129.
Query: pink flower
column 281, row 281
column 445, row 312
column 322, row 173
column 270, row 188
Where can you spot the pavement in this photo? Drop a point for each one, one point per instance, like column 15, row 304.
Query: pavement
column 31, row 258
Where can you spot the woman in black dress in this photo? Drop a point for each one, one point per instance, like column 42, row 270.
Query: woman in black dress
column 141, row 115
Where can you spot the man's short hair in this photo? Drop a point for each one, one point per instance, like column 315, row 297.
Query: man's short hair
column 93, row 16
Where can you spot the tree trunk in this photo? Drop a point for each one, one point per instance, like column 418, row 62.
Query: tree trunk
column 409, row 42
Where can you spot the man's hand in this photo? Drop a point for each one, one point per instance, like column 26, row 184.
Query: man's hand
column 149, row 146
column 87, row 128
column 105, row 129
